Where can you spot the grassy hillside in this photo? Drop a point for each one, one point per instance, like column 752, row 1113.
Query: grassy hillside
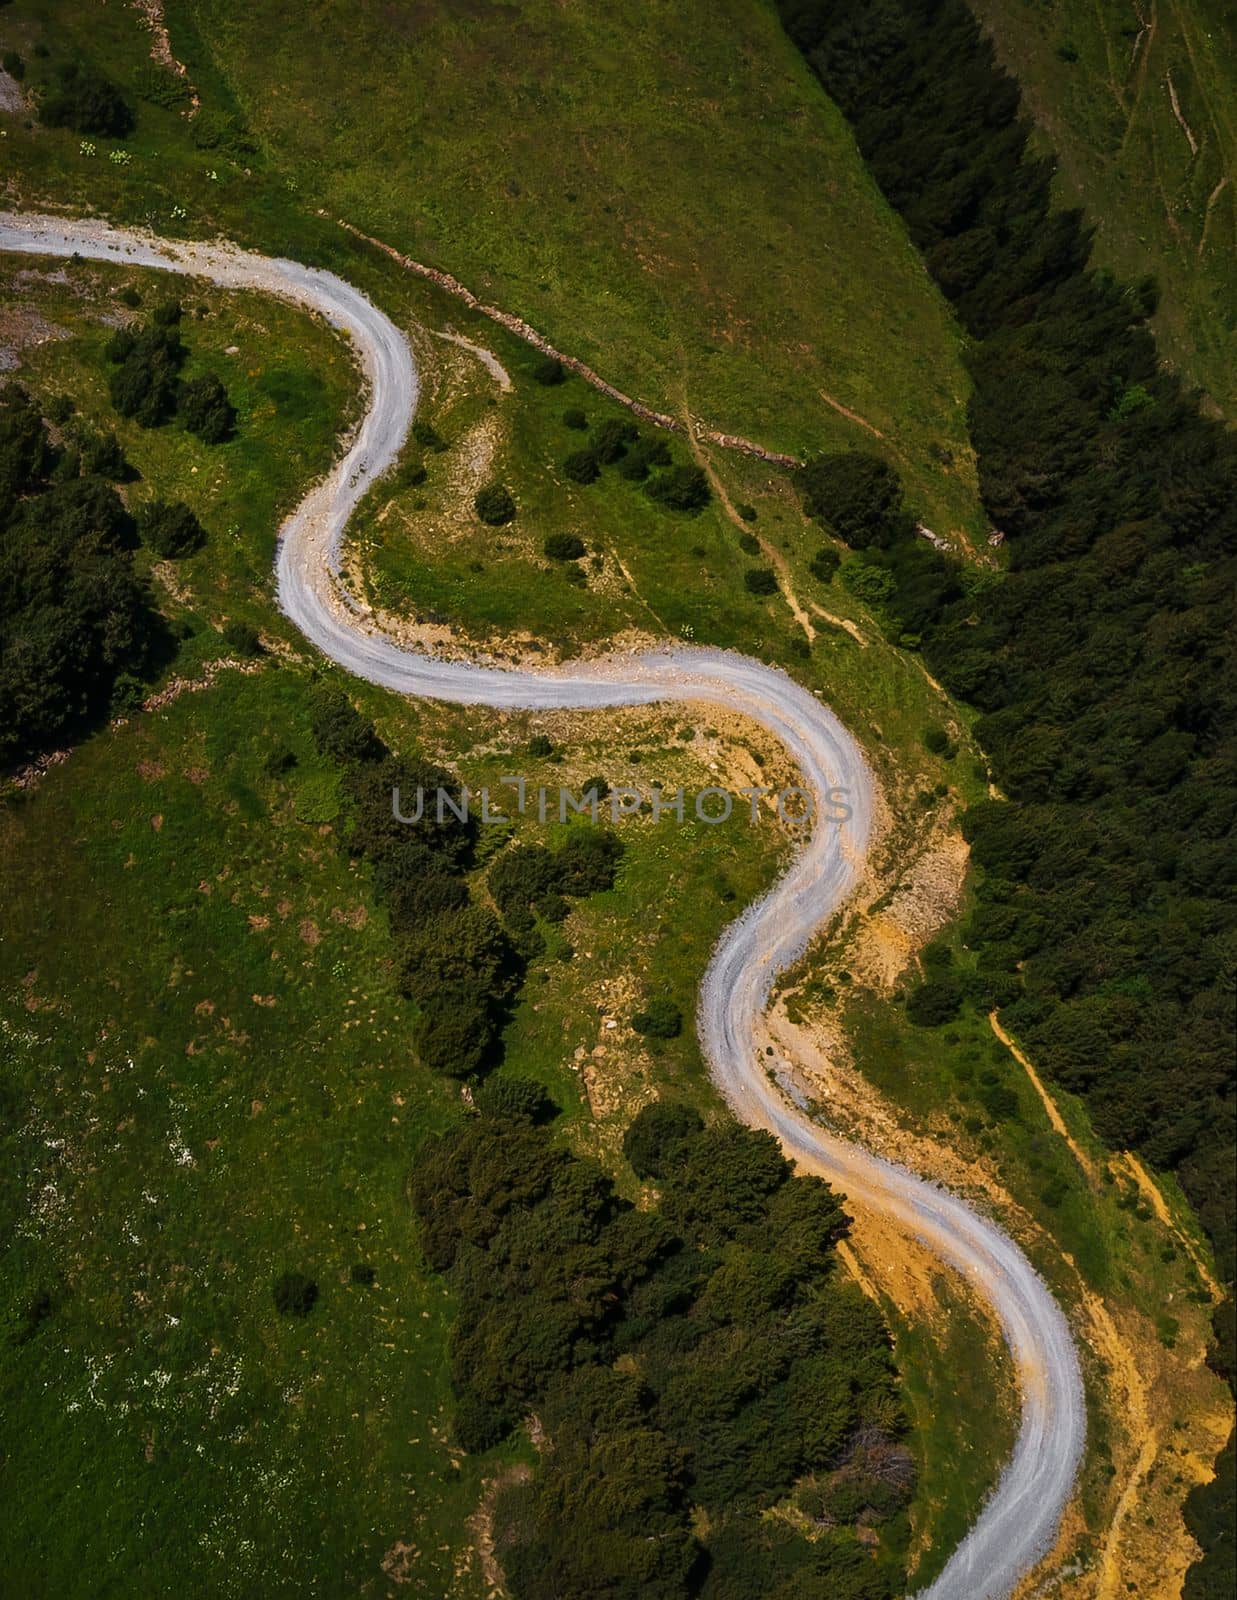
column 660, row 189
column 1157, row 182
column 205, row 1065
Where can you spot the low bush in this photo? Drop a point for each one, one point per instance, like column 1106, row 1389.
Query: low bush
column 549, row 372
column 858, row 495
column 564, row 546
column 428, row 437
column 660, row 1019
column 82, row 98
column 871, row 584
column 680, row 489
column 242, row 639
column 159, row 87
column 169, row 530
column 204, row 408
column 611, row 439
column 575, row 419
column 294, row 1294
column 340, row 731
column 655, row 1139
column 494, row 504
column 582, row 466
column 934, row 1002
column 760, row 580
column 218, row 130
column 513, row 1099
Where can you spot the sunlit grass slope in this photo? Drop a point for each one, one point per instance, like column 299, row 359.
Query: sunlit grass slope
column 661, row 189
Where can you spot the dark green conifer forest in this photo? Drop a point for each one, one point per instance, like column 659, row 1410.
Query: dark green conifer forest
column 1102, row 660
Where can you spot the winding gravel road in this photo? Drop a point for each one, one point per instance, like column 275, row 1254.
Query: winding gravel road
column 1017, row 1527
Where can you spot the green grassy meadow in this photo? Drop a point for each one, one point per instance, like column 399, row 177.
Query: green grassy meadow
column 685, row 210
column 1161, row 198
column 209, row 1083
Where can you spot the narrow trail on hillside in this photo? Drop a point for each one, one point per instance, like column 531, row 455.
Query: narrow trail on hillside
column 1018, row 1525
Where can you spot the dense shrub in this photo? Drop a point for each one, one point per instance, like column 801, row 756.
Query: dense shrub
column 1101, row 659
column 588, row 860
column 169, row 530
column 760, row 580
column 478, row 1425
column 74, row 616
column 549, row 372
column 428, row 437
column 242, row 639
column 145, row 384
column 694, row 1357
column 220, row 130
column 935, row 1001
column 680, row 489
column 513, row 1099
column 27, row 456
column 204, row 408
column 294, row 1294
column 582, row 466
column 454, row 1033
column 82, row 98
column 494, row 504
column 340, row 731
column 655, row 1139
column 103, row 457
column 858, row 495
column 824, row 564
column 611, row 439
column 564, row 546
column 644, row 454
column 161, row 87
column 659, row 1019
column 526, row 877
column 1209, row 1514
column 575, row 419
